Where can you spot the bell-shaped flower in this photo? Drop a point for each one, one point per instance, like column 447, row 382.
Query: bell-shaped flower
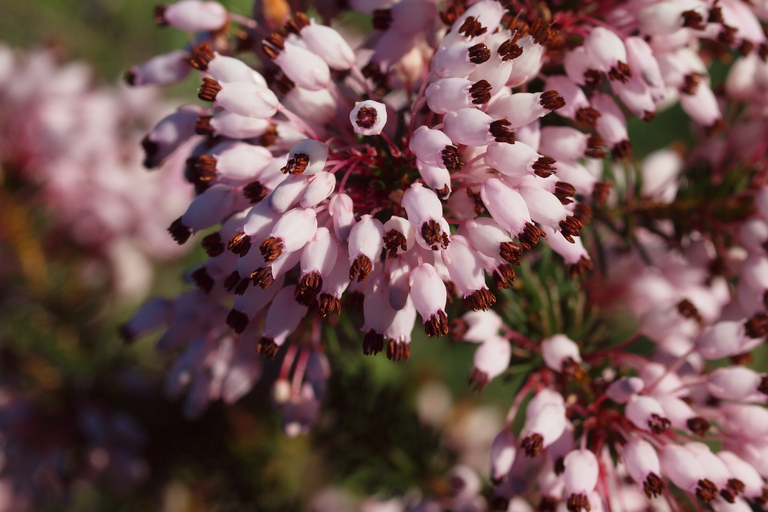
column 559, row 351
column 164, row 69
column 429, row 297
column 467, row 273
column 425, row 212
column 492, row 359
column 365, row 245
column 642, row 463
column 368, row 117
column 283, row 316
column 324, row 41
column 193, row 15
column 435, row 148
column 581, row 472
column 241, row 98
column 169, row 134
column 503, row 451
column 523, row 108
column 307, row 157
column 303, row 67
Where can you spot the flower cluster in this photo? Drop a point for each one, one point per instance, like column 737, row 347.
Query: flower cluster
column 399, row 176
column 71, row 147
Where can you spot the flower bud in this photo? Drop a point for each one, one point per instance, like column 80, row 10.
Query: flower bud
column 193, row 15
column 164, row 69
column 557, row 349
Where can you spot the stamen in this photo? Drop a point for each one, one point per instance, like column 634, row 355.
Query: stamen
column 480, row 92
column 622, row 150
column 658, row 424
column 434, row 235
column 263, row 277
column 715, row 14
column 276, row 40
column 443, row 193
column 268, row 348
column 179, row 232
column 576, row 502
column 757, row 326
column 479, row 53
column 690, row 83
column 500, row 131
column 203, row 126
column 601, row 191
column 160, row 15
column 746, row 47
column 327, row 304
column 551, row 100
column 269, row 137
column 698, row 425
column 373, row 343
column 202, row 280
column 394, row 240
column 271, row 249
column 450, row 14
column 547, row 504
column 398, row 350
column 509, row 251
column 437, row 325
column 240, row 244
column 205, row 168
column 687, row 309
column 232, row 280
column 472, row 28
column 543, row 34
column 237, row 320
column 595, row 147
column 298, row 22
column 530, row 236
column 560, row 466
column 504, row 277
column 382, row 19
column 255, row 192
column 706, row 491
column 593, row 78
column 308, row 288
column 533, row 445
column 201, row 55
column 296, row 165
column 481, row 299
column 694, row 20
column 565, row 192
column 457, row 329
column 213, row 244
column 283, row 84
column 581, row 267
column 543, row 167
column 452, row 159
column 241, row 287
column 366, row 117
column 478, row 379
column 620, row 72
column 360, row 269
column 509, row 50
column 478, row 200
column 583, row 212
column 209, row 89
column 653, row 486
column 587, row 116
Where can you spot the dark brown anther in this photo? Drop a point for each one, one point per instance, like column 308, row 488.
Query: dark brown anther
column 715, row 15
column 746, row 47
column 690, row 83
column 398, row 350
column 269, row 137
column 736, row 485
column 241, row 287
column 560, row 466
column 437, row 325
column 271, row 249
column 622, row 150
column 593, row 78
column 572, row 369
column 478, row 300
column 542, row 33
column 762, row 51
column 620, row 72
column 201, row 55
column 509, row 50
column 366, row 117
column 472, row 28
column 551, row 100
column 203, row 126
column 327, row 304
column 308, row 288
column 434, row 236
column 581, row 267
column 706, row 491
column 205, row 168
column 694, row 20
column 360, row 269
column 160, row 15
column 583, row 212
column 394, row 241
column 179, row 232
column 576, row 502
column 504, row 277
column 509, row 251
column 373, row 343
column 587, row 116
column 209, row 89
column 480, row 92
column 757, row 326
column 653, row 486
column 382, row 19
column 687, row 309
column 762, row 499
column 478, row 379
column 601, row 191
column 543, row 167
column 741, row 359
column 530, row 236
column 240, row 244
column 763, row 387
column 547, row 504
column 728, row 495
column 501, row 132
column 276, row 40
column 255, row 192
column 715, row 128
column 698, row 425
column 355, row 300
column 727, row 35
column 570, row 227
column 479, row 53
column 595, row 147
column 298, row 22
column 443, row 193
column 533, row 445
column 237, row 320
column 150, row 152
column 212, row 244
column 450, row 14
column 658, row 424
column 296, row 165
column 565, row 192
column 268, row 348
column 452, row 159
column 263, row 277
column 129, row 77
column 283, row 84
column 457, row 328
column 202, row 280
column 231, row 281
column 269, row 51
column 499, row 503
column 478, row 200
